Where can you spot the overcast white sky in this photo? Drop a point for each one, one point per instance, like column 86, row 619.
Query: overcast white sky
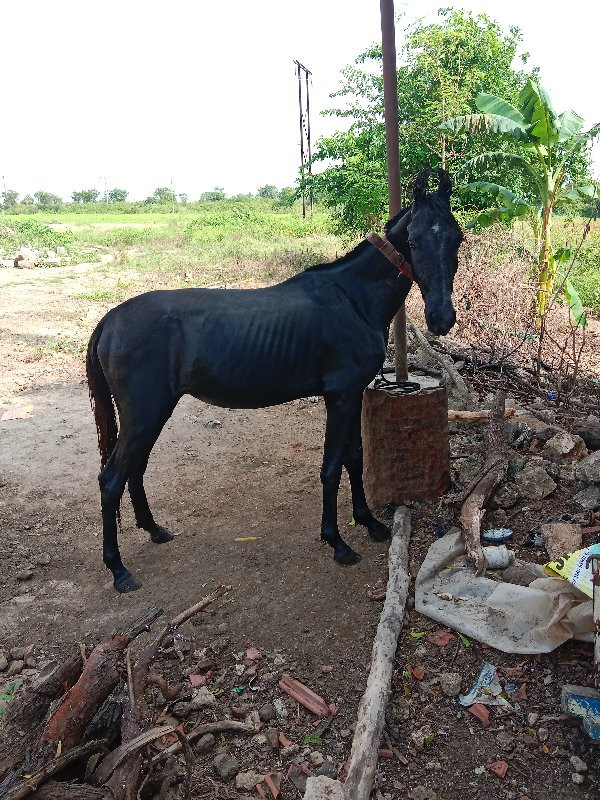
column 194, row 94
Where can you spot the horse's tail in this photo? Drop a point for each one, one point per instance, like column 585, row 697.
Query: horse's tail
column 101, row 399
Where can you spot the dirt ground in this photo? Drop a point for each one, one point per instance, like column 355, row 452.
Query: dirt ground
column 216, row 476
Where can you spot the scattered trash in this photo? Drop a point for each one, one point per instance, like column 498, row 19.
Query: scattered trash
column 572, row 567
column 515, row 619
column 305, row 696
column 16, row 412
column 485, row 689
column 497, row 535
column 498, row 557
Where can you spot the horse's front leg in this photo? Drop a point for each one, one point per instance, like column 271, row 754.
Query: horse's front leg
column 353, row 461
column 339, row 416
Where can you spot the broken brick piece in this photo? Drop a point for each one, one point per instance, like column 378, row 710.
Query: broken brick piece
column 252, row 654
column 284, row 741
column 418, row 673
column 384, row 753
column 481, row 712
column 273, row 781
column 441, row 638
column 305, row 696
column 499, row 768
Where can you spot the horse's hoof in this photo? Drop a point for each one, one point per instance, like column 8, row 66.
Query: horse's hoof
column 379, row 532
column 127, row 584
column 346, row 556
column 161, row 535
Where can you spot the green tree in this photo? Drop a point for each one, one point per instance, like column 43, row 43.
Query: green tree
column 442, row 67
column 218, row 193
column 162, row 195
column 268, row 191
column 549, row 145
column 28, row 200
column 287, row 197
column 86, row 196
column 183, row 198
column 48, row 200
column 10, row 198
column 117, row 195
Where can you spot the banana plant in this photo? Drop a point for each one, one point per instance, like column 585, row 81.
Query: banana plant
column 548, row 143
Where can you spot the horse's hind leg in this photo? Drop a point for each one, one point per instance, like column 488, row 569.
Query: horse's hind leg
column 339, row 416
column 353, row 461
column 141, row 509
column 128, row 461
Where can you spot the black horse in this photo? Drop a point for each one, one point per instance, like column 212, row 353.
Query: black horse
column 322, row 332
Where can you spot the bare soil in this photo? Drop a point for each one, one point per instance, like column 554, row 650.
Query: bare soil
column 217, row 477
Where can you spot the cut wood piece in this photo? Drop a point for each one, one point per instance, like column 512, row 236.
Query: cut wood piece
column 476, row 495
column 475, row 416
column 305, row 696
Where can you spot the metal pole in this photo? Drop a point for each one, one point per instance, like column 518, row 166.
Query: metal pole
column 392, row 148
column 308, row 135
column 301, row 138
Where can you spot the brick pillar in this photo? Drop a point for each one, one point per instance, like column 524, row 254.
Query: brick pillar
column 405, row 441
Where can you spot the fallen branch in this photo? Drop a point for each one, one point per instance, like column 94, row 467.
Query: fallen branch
column 444, row 361
column 474, row 416
column 220, row 726
column 481, row 488
column 371, row 712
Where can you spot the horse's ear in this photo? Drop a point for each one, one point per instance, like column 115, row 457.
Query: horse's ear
column 445, row 185
column 420, row 187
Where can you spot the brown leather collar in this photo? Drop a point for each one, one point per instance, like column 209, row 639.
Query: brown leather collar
column 390, row 252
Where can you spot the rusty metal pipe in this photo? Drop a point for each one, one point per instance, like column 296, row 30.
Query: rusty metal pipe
column 392, row 148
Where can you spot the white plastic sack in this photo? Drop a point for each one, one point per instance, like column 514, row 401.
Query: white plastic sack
column 515, row 619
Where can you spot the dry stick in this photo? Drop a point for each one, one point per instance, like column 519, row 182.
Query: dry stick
column 207, row 727
column 371, row 712
column 474, row 416
column 483, row 485
column 446, row 363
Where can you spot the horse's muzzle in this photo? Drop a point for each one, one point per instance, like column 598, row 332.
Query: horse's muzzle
column 441, row 324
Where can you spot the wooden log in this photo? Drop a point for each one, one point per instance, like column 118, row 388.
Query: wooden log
column 481, row 488
column 371, row 711
column 474, row 416
column 56, row 790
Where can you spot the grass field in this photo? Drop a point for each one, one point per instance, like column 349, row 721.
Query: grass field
column 227, row 242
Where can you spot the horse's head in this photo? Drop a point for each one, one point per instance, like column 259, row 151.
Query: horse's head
column 434, row 237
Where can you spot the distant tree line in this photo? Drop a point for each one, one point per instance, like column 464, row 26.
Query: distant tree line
column 10, row 199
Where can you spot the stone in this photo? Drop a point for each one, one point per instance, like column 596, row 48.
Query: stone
column 203, row 698
column 225, row 766
column 588, row 470
column 589, row 430
column 450, row 683
column 327, row 769
column 31, row 662
column 522, row 573
column 564, row 447
column 316, row 758
column 421, row 735
column 267, row 712
column 3, row 661
column 532, row 718
column 205, row 743
column 272, row 737
column 42, row 560
column 543, row 734
column 287, row 752
column 422, row 793
column 15, row 668
column 323, row 786
column 534, row 483
column 588, row 498
column 577, row 778
column 507, row 495
column 25, row 575
column 578, row 764
column 182, row 710
column 560, row 538
column 248, row 780
column 280, row 707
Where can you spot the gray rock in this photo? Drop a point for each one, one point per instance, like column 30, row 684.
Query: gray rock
column 577, row 778
column 532, row 718
column 588, row 469
column 560, row 538
column 267, row 712
column 450, row 683
column 316, row 758
column 578, row 764
column 248, row 780
column 327, row 769
column 589, row 430
column 17, row 653
column 3, row 660
column 42, row 560
column 563, row 446
column 522, row 573
column 203, row 698
column 507, row 495
column 588, row 498
column 15, row 668
column 534, row 483
column 543, row 734
column 182, row 710
column 31, row 662
column 288, row 752
column 205, row 743
column 226, row 766
column 25, row 575
column 280, row 707
column 421, row 735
